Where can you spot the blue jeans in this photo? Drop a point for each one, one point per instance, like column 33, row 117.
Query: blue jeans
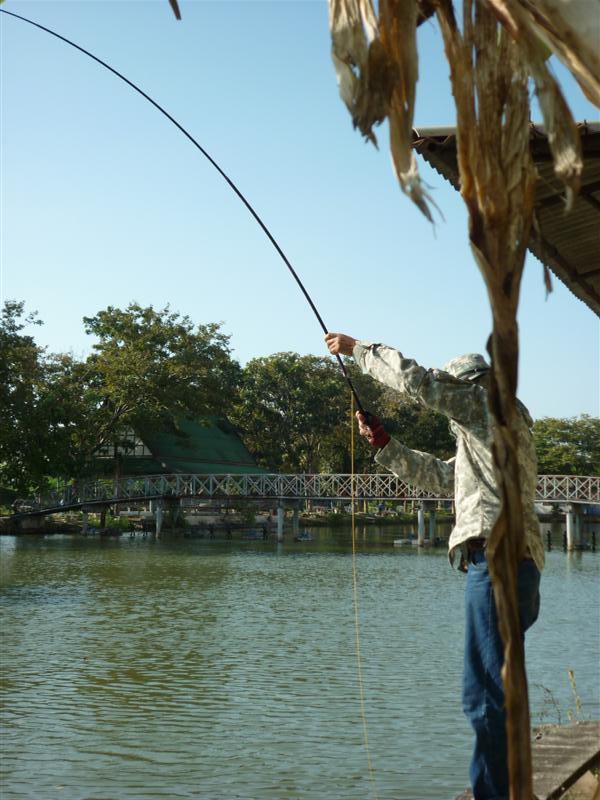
column 483, row 693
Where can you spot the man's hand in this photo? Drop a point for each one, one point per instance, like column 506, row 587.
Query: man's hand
column 374, row 433
column 340, row 343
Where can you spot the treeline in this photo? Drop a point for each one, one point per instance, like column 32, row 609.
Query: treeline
column 147, row 366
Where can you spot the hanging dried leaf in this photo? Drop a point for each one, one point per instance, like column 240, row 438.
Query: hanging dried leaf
column 570, row 28
column 376, row 66
column 362, row 70
column 489, row 81
column 563, row 136
column 542, row 244
column 491, row 58
column 547, row 280
column 398, row 26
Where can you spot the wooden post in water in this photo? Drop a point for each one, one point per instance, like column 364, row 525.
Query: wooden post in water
column 421, row 525
column 570, row 528
column 296, row 521
column 84, row 521
column 280, row 516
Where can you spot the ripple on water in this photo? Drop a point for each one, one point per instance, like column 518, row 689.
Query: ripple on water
column 185, row 670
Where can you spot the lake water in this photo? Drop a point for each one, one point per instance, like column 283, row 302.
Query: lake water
column 142, row 668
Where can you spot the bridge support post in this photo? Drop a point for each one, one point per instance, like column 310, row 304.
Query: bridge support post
column 296, row 521
column 84, row 521
column 432, row 523
column 421, row 525
column 578, row 528
column 570, row 528
column 280, row 517
column 158, row 516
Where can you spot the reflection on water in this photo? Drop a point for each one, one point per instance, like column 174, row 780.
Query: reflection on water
column 137, row 668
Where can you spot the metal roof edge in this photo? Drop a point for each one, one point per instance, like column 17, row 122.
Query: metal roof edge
column 587, row 126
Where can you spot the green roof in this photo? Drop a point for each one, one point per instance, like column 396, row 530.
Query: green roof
column 208, row 446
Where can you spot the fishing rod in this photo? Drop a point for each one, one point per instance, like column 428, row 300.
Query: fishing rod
column 221, row 172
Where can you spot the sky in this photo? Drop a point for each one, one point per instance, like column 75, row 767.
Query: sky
column 104, row 202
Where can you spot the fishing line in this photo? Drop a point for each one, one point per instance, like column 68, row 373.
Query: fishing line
column 221, row 172
column 359, row 673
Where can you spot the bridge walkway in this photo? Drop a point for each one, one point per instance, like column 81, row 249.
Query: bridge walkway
column 570, row 490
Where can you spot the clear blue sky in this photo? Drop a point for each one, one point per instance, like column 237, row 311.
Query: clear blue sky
column 105, row 202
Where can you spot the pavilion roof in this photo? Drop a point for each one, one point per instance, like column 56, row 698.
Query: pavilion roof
column 209, row 445
column 567, row 243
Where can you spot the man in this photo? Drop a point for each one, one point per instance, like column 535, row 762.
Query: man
column 460, row 393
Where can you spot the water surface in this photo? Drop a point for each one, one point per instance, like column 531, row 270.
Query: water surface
column 141, row 668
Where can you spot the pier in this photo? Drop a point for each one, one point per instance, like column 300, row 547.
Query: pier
column 564, row 757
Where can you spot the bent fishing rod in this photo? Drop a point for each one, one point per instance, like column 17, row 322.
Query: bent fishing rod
column 221, row 172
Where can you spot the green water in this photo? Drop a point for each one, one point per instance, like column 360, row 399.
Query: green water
column 136, row 668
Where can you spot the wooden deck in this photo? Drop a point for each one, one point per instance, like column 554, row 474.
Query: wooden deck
column 561, row 755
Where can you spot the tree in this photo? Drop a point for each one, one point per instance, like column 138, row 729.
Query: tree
column 146, row 367
column 568, row 446
column 293, row 412
column 287, row 404
column 22, row 454
column 336, row 448
column 416, row 426
column 70, row 402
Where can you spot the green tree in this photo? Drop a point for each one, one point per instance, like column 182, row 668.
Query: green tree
column 294, row 412
column 416, row 426
column 568, row 446
column 22, row 453
column 337, row 445
column 147, row 366
column 71, row 403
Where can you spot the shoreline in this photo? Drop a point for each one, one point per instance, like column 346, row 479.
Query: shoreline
column 209, row 525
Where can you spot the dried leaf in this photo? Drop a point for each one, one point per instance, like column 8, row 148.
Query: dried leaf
column 362, row 69
column 175, row 7
column 547, row 280
column 537, row 235
column 490, row 62
column 489, row 82
column 570, row 28
column 376, row 66
column 563, row 136
column 398, row 25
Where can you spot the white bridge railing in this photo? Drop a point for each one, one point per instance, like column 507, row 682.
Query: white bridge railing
column 568, row 489
column 550, row 489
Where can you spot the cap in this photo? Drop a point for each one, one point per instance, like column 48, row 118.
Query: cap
column 467, row 367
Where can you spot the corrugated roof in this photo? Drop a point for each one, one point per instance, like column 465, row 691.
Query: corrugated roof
column 211, row 445
column 568, row 243
column 208, row 446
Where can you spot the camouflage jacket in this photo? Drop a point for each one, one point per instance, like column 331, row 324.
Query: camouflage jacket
column 471, row 475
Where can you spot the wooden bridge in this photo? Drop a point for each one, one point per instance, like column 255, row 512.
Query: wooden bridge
column 551, row 489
